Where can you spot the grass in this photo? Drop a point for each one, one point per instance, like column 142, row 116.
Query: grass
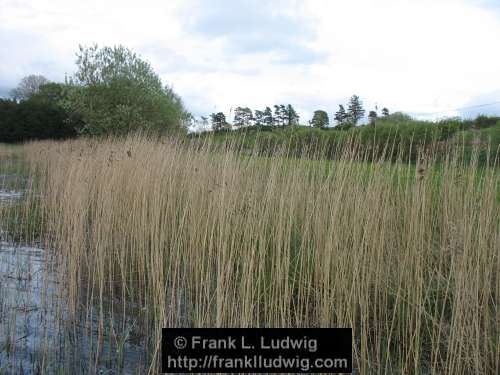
column 403, row 131
column 175, row 234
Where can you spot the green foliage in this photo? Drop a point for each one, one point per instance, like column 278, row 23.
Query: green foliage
column 259, row 118
column 219, row 121
column 116, row 92
column 279, row 115
column 397, row 117
column 341, row 116
column 397, row 134
column 320, row 119
column 486, row 139
column 267, row 118
column 355, row 110
column 243, row 116
column 38, row 117
column 291, row 116
column 482, row 122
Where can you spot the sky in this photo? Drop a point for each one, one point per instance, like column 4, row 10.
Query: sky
column 429, row 58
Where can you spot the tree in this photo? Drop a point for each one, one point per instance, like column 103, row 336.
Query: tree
column 219, row 121
column 259, row 118
column 280, row 115
column 29, row 86
column 355, row 110
column 55, row 95
column 117, row 92
column 51, row 92
column 341, row 116
column 33, row 118
column 292, row 117
column 372, row 118
column 320, row 119
column 385, row 112
column 242, row 116
column 268, row 119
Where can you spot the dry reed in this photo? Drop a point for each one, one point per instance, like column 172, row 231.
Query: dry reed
column 174, row 234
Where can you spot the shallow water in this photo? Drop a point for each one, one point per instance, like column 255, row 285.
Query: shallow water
column 29, row 309
column 10, row 195
column 37, row 334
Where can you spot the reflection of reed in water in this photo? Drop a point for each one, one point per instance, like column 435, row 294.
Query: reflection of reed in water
column 37, row 332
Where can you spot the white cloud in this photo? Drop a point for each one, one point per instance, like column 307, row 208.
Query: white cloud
column 415, row 56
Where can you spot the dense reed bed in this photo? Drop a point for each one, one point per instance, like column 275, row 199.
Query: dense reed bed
column 151, row 234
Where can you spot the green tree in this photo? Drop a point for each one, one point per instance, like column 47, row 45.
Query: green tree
column 320, row 119
column 29, row 85
column 483, row 122
column 243, row 116
column 33, row 118
column 52, row 92
column 291, row 116
column 55, row 95
column 385, row 112
column 259, row 118
column 280, row 115
column 219, row 121
column 341, row 116
column 399, row 117
column 268, row 119
column 116, row 92
column 355, row 110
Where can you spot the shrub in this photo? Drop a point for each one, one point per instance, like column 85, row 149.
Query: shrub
column 117, row 92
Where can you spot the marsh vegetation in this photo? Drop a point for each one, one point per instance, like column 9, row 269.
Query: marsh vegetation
column 144, row 233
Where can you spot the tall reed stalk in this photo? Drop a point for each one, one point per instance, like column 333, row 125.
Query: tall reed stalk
column 179, row 234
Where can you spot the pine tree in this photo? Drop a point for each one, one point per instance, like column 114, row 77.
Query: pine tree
column 279, row 115
column 242, row 116
column 341, row 115
column 355, row 110
column 259, row 118
column 268, row 119
column 292, row 117
column 219, row 121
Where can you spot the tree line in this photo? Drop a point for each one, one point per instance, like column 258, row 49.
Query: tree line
column 34, row 112
column 113, row 91
column 283, row 115
column 286, row 115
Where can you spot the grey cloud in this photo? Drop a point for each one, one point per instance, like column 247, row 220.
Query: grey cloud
column 20, row 47
column 167, row 61
column 256, row 26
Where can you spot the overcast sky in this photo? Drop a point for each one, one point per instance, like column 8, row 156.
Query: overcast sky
column 426, row 57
